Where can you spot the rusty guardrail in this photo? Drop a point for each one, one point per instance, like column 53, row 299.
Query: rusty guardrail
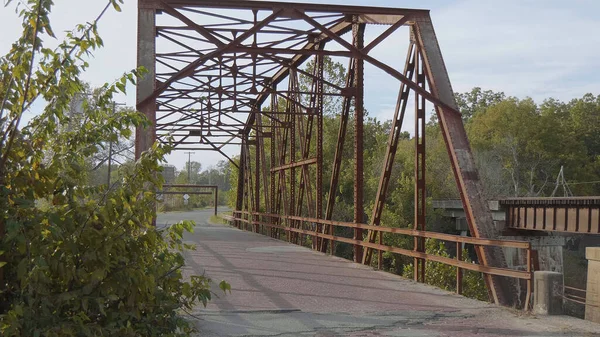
column 298, row 228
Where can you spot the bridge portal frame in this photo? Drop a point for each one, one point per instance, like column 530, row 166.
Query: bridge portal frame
column 235, row 54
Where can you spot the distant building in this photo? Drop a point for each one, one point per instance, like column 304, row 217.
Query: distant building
column 168, row 173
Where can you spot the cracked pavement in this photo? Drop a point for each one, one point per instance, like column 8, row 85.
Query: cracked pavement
column 279, row 289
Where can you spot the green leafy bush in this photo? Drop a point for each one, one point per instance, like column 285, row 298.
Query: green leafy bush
column 444, row 276
column 80, row 260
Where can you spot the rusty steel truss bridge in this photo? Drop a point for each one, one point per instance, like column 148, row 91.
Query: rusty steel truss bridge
column 225, row 73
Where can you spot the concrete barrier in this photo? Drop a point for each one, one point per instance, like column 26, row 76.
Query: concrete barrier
column 548, row 293
column 592, row 296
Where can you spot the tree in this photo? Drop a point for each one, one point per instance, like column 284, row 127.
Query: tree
column 77, row 259
column 585, row 117
column 477, row 101
column 334, row 73
column 114, row 152
column 530, row 143
column 190, row 174
column 444, row 276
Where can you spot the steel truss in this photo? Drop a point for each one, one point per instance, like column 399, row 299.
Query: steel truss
column 228, row 72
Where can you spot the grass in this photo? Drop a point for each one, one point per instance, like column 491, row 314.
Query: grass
column 217, row 219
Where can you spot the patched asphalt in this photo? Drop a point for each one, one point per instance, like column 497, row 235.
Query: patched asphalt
column 280, row 289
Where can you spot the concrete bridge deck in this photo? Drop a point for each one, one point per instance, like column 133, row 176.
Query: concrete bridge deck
column 280, row 289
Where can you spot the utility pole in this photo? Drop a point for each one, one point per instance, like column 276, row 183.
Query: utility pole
column 189, row 165
column 109, row 163
column 110, row 145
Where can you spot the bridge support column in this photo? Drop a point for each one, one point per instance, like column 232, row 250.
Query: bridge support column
column 548, row 293
column 592, row 298
column 549, row 250
column 145, row 136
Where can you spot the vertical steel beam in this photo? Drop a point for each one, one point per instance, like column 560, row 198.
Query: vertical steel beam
column 251, row 191
column 459, row 271
column 258, row 149
column 319, row 145
column 358, row 31
column 305, row 142
column 247, row 185
column 272, row 208
column 146, row 50
column 216, row 199
column 248, row 188
column 282, row 196
column 239, row 201
column 420, row 195
column 339, row 151
column 476, row 208
column 292, row 127
column 305, row 183
column 263, row 160
column 390, row 154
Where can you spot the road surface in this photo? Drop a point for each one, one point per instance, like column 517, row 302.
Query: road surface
column 279, row 289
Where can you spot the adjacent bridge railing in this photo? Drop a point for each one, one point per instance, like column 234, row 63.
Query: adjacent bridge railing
column 192, row 189
column 572, row 215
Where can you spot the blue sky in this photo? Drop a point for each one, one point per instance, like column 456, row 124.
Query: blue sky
column 525, row 48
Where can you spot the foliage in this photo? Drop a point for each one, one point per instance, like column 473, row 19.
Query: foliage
column 444, row 276
column 80, row 259
column 477, row 101
column 116, row 152
column 530, row 143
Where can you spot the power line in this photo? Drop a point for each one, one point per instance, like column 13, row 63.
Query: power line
column 585, row 182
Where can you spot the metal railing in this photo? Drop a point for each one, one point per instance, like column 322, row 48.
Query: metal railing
column 212, row 189
column 252, row 222
column 575, row 295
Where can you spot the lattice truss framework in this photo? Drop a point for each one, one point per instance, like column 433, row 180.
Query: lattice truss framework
column 226, row 72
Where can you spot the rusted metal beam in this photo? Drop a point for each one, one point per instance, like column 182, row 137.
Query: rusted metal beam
column 358, row 32
column 293, row 83
column 272, row 207
column 377, row 15
column 146, row 49
column 187, row 70
column 476, row 208
column 239, row 200
column 392, row 146
column 386, row 34
column 258, row 168
column 299, row 59
column 233, row 73
column 505, row 272
column 420, row 200
column 263, row 158
column 339, row 150
column 305, row 129
column 319, row 107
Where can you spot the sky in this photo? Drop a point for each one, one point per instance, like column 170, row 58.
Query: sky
column 525, row 48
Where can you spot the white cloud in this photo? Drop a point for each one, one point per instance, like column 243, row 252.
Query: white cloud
column 524, row 48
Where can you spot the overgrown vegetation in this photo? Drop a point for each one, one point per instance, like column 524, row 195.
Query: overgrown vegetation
column 79, row 259
column 444, row 276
